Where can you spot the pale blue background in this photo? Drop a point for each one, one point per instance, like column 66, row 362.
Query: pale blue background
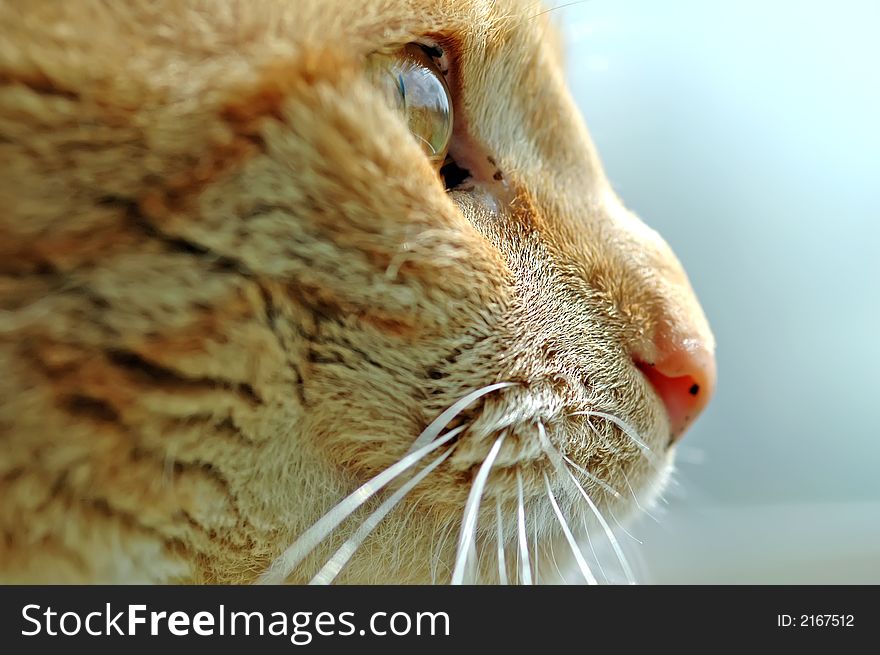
column 747, row 134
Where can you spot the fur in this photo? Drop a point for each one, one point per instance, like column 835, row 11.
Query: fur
column 233, row 289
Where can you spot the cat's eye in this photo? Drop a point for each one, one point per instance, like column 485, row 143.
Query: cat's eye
column 414, row 85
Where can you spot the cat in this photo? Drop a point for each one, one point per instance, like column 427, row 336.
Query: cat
column 320, row 290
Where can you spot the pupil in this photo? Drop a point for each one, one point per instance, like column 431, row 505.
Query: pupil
column 453, row 174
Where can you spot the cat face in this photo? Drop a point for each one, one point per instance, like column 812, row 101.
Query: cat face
column 240, row 291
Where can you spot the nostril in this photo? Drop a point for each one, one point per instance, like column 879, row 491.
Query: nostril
column 684, row 380
column 680, row 396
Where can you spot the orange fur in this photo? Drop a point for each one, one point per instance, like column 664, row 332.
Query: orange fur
column 232, row 288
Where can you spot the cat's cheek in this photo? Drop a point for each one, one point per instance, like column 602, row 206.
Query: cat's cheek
column 478, row 199
column 484, row 210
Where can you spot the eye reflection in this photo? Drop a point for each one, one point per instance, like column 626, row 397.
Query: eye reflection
column 414, row 85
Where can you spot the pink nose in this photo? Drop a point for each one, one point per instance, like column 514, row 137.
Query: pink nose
column 683, row 376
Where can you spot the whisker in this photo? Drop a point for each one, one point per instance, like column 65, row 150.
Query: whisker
column 525, row 568
column 556, row 458
column 535, row 550
column 447, row 531
column 554, row 561
column 471, row 568
column 636, row 499
column 569, row 537
column 472, row 506
column 602, row 437
column 628, row 430
column 432, row 544
column 307, row 541
column 625, row 531
column 615, row 545
column 593, row 550
column 436, row 426
column 516, row 566
column 590, row 476
column 556, row 8
column 339, row 559
column 499, row 538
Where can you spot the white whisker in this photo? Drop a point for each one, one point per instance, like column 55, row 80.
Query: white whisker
column 593, row 550
column 296, row 552
column 447, row 531
column 339, row 559
column 636, row 499
column 499, row 538
column 525, row 568
column 471, row 568
column 625, row 531
column 590, row 476
column 615, row 545
column 471, row 508
column 628, row 430
column 559, row 463
column 554, row 562
column 602, row 437
column 535, row 550
column 569, row 537
column 431, row 559
column 436, row 426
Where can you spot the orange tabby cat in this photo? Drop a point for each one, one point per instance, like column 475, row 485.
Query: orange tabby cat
column 237, row 285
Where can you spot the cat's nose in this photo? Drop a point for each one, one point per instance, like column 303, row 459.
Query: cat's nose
column 683, row 376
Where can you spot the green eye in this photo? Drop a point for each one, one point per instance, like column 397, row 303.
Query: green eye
column 414, row 85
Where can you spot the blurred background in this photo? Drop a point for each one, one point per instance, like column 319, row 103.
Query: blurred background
column 747, row 134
